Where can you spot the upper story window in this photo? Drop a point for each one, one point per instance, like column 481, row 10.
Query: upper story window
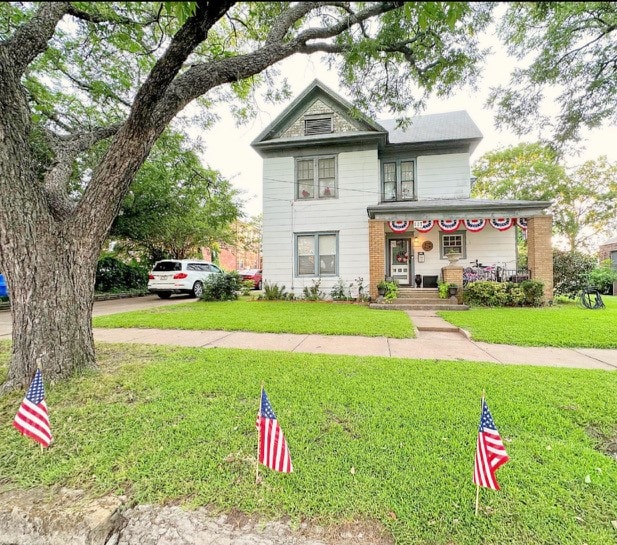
column 398, row 180
column 318, row 124
column 316, row 178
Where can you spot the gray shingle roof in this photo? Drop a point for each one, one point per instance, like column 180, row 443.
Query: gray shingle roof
column 432, row 128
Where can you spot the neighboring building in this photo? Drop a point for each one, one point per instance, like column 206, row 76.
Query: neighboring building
column 245, row 253
column 347, row 197
column 608, row 250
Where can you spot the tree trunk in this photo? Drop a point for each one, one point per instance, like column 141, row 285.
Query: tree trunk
column 52, row 288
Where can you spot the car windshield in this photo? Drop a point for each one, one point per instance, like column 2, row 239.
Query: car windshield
column 166, row 266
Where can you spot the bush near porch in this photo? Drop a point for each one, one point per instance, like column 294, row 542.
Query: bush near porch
column 504, row 294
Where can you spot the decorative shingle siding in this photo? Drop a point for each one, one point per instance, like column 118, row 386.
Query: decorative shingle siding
column 318, row 107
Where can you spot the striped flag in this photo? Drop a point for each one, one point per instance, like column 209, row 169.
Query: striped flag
column 32, row 418
column 490, row 452
column 273, row 451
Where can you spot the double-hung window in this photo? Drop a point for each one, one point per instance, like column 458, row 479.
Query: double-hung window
column 316, row 178
column 316, row 254
column 398, row 180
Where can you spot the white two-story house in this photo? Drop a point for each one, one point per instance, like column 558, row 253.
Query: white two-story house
column 346, row 197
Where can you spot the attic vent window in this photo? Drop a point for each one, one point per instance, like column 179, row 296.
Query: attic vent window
column 318, row 125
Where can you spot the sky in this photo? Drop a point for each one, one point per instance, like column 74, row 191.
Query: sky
column 228, row 146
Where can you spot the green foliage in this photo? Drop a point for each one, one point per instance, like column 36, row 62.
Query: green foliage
column 342, row 291
column 313, row 292
column 391, row 292
column 175, row 205
column 221, row 287
column 442, row 288
column 571, row 272
column 533, row 291
column 322, row 318
column 113, row 275
column 603, row 276
column 560, row 325
column 274, row 292
column 176, row 426
column 363, row 295
column 493, row 294
column 584, row 199
column 572, row 49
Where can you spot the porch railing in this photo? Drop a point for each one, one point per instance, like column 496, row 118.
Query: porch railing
column 479, row 273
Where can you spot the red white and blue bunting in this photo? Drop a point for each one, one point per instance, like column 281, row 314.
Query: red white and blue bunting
column 502, row 224
column 449, row 226
column 399, row 226
column 474, row 225
column 423, row 226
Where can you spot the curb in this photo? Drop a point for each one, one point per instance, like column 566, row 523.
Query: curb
column 99, row 297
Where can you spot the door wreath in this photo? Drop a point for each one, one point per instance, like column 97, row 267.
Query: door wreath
column 402, row 256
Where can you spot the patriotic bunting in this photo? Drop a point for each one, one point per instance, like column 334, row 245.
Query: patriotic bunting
column 399, row 226
column 423, row 226
column 522, row 223
column 475, row 225
column 449, row 226
column 502, row 224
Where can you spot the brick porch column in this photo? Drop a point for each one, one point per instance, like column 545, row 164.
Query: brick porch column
column 376, row 255
column 540, row 252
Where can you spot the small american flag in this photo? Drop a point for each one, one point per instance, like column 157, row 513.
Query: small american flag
column 273, row 451
column 32, row 418
column 490, row 452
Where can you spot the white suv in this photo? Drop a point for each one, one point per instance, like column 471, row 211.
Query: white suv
column 180, row 276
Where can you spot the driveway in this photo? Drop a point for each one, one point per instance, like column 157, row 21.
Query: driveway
column 106, row 307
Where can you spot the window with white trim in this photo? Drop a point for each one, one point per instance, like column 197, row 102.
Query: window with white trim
column 398, row 180
column 316, row 178
column 452, row 243
column 316, row 254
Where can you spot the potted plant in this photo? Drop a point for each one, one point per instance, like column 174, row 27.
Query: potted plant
column 452, row 290
column 452, row 256
column 382, row 287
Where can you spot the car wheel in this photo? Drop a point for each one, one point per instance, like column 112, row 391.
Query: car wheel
column 260, row 285
column 164, row 294
column 198, row 289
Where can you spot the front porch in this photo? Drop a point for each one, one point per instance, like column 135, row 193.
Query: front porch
column 415, row 252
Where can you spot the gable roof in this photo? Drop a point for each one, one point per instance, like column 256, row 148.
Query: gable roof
column 452, row 127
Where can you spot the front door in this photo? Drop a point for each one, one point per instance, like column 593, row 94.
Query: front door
column 400, row 260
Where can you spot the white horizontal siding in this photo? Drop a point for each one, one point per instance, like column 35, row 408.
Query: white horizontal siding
column 358, row 186
column 444, row 176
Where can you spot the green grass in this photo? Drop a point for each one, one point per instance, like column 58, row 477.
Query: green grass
column 563, row 325
column 178, row 425
column 269, row 317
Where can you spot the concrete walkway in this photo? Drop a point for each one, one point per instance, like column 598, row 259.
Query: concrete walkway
column 436, row 340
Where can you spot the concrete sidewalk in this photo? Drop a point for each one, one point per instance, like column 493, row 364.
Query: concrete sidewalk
column 436, row 340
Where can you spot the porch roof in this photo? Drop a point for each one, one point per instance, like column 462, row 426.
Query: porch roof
column 443, row 209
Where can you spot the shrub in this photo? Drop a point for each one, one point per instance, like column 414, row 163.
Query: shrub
column 312, row 292
column 443, row 287
column 603, row 276
column 494, row 294
column 221, row 287
column 391, row 291
column 571, row 272
column 274, row 292
column 534, row 292
column 113, row 275
column 341, row 292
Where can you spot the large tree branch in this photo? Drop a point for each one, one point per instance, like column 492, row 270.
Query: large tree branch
column 56, row 179
column 31, row 39
column 285, row 21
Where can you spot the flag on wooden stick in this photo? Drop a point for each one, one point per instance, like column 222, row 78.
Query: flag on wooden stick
column 490, row 452
column 273, row 451
column 32, row 418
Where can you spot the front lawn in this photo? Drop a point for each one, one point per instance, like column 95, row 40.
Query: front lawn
column 372, row 439
column 562, row 325
column 321, row 318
